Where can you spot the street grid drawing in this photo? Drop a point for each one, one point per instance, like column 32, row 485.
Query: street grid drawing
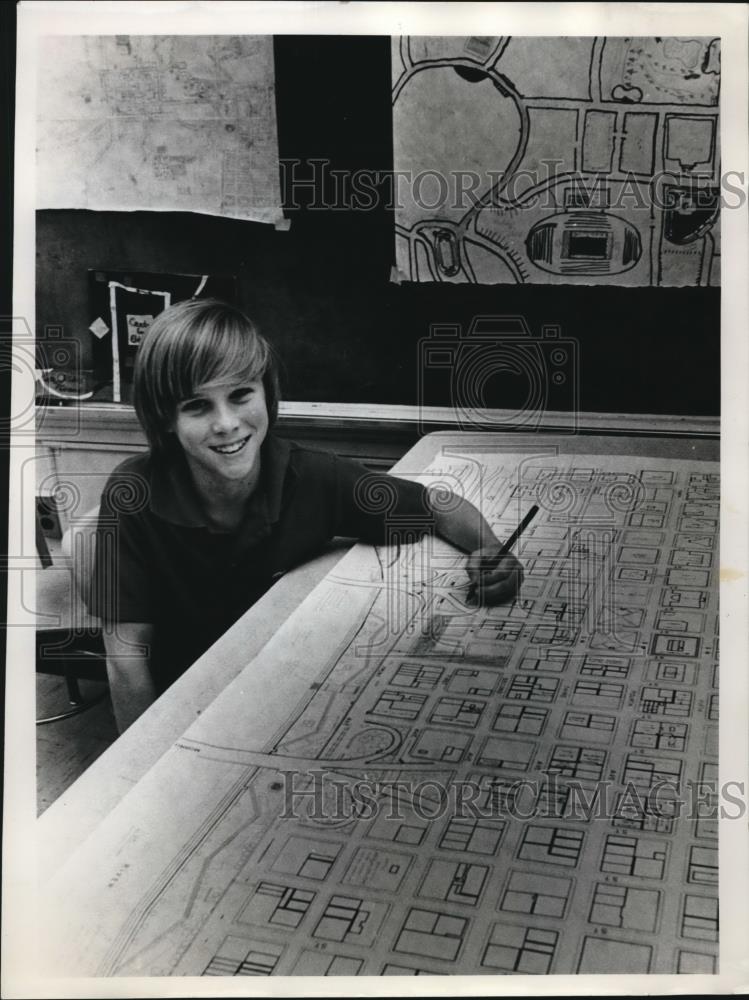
column 598, row 680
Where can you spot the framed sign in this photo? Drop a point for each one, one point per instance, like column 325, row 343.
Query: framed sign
column 123, row 304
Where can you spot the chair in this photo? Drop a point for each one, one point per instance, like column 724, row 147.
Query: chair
column 70, row 643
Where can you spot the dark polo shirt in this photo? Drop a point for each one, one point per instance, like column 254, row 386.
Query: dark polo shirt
column 158, row 562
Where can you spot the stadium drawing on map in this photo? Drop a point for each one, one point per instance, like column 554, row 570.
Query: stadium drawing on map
column 557, row 160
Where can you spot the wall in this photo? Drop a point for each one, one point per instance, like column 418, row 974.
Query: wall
column 322, row 293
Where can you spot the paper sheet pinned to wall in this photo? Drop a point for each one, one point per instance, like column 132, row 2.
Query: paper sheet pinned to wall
column 166, row 123
column 557, row 160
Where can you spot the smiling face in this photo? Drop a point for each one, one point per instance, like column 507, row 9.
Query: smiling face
column 221, row 429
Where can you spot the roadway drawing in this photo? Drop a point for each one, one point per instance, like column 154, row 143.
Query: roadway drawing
column 417, row 788
column 557, row 160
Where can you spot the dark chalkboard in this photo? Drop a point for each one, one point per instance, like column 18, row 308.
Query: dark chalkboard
column 321, row 291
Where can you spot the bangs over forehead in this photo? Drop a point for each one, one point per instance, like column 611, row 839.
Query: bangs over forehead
column 192, row 344
column 221, row 346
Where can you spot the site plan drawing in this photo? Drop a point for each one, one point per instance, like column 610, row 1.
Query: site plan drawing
column 402, row 783
column 557, row 160
column 161, row 123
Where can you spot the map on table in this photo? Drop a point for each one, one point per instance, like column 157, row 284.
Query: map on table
column 402, row 783
column 557, row 160
column 180, row 123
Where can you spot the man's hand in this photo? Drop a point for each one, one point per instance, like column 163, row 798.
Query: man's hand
column 495, row 578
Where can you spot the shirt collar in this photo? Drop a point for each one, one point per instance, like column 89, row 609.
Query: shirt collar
column 175, row 499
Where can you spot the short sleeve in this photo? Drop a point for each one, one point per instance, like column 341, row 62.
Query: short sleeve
column 379, row 508
column 121, row 586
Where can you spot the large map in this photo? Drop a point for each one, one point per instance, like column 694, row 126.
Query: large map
column 169, row 122
column 402, row 783
column 557, row 160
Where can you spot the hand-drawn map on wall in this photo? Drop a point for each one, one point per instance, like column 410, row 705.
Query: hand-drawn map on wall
column 401, row 783
column 557, row 160
column 171, row 123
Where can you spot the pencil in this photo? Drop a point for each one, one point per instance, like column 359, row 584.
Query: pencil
column 510, row 541
column 519, row 530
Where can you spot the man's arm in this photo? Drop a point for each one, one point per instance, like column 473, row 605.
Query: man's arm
column 130, row 682
column 459, row 522
column 496, row 577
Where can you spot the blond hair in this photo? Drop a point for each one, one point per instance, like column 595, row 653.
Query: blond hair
column 188, row 345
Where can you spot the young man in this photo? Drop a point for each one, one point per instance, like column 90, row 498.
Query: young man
column 191, row 534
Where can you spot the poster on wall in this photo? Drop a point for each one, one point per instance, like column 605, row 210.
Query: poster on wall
column 160, row 123
column 123, row 304
column 575, row 160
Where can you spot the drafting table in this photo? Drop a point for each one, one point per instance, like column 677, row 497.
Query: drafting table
column 383, row 693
